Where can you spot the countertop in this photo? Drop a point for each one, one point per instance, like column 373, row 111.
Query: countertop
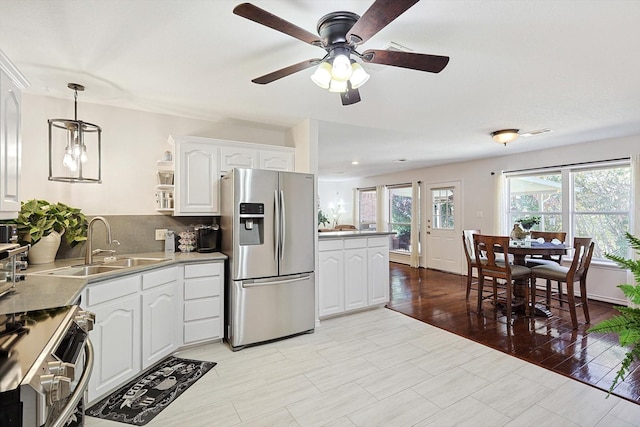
column 351, row 234
column 39, row 292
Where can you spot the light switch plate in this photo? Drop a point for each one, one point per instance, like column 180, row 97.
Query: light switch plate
column 161, row 233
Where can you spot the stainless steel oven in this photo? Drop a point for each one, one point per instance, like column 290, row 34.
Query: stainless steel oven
column 45, row 364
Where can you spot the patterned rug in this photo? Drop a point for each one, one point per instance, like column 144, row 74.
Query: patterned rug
column 147, row 395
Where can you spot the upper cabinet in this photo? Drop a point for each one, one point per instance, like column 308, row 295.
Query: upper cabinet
column 11, row 85
column 198, row 163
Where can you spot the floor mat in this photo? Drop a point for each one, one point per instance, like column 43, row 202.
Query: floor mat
column 147, row 395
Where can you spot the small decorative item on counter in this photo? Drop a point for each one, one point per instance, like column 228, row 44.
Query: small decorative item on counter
column 187, row 241
column 170, row 242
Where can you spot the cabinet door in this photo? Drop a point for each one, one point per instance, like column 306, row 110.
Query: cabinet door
column 196, row 179
column 203, row 302
column 378, row 270
column 116, row 342
column 355, row 279
column 331, row 286
column 10, row 147
column 159, row 332
column 277, row 160
column 237, row 157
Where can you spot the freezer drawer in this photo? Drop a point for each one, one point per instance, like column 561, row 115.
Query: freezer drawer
column 266, row 309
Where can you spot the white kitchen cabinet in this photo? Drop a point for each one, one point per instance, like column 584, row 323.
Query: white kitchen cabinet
column 353, row 274
column 160, row 315
column 116, row 335
column 331, row 278
column 196, row 178
column 203, row 302
column 378, row 269
column 11, row 85
column 237, row 157
column 277, row 160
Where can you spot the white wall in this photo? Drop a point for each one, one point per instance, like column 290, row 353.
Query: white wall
column 479, row 197
column 132, row 143
column 337, row 193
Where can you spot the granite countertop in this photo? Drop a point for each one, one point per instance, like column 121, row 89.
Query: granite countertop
column 352, row 234
column 39, row 292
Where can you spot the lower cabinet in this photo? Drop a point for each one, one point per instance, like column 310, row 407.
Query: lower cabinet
column 160, row 319
column 116, row 335
column 353, row 274
column 203, row 302
column 142, row 318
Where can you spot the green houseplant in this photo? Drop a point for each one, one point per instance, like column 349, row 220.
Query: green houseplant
column 39, row 218
column 627, row 324
column 527, row 222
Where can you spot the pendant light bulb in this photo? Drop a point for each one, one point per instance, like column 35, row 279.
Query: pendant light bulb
column 341, row 69
column 322, row 75
column 359, row 76
column 338, row 86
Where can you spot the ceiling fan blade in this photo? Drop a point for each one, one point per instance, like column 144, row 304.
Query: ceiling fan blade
column 378, row 16
column 414, row 61
column 261, row 16
column 284, row 72
column 351, row 96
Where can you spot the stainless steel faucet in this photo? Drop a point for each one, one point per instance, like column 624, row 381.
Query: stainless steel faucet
column 89, row 252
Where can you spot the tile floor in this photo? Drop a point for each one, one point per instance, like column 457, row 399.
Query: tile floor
column 382, row 368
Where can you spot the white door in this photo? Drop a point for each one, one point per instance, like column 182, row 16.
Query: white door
column 443, row 227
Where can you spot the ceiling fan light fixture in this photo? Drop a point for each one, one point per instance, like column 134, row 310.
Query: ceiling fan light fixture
column 322, row 75
column 505, row 136
column 341, row 69
column 338, row 86
column 359, row 76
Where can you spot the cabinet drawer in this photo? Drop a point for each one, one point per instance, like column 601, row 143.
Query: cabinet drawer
column 202, row 287
column 378, row 241
column 113, row 289
column 201, row 309
column 329, row 245
column 201, row 330
column 200, row 270
column 159, row 277
column 355, row 243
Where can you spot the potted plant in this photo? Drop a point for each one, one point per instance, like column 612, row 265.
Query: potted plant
column 40, row 221
column 322, row 218
column 627, row 324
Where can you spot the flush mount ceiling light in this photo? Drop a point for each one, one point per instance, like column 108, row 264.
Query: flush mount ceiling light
column 74, row 147
column 505, row 136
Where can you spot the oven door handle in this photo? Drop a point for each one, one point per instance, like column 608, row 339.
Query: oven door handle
column 83, row 382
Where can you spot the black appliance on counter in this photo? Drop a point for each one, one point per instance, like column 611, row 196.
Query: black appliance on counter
column 45, row 364
column 208, row 238
column 8, row 233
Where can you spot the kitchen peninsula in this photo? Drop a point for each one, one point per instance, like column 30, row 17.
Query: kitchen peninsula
column 353, row 271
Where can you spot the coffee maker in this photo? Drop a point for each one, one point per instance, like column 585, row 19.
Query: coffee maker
column 8, row 233
column 208, row 238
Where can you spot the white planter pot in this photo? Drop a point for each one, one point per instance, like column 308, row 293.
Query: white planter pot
column 45, row 250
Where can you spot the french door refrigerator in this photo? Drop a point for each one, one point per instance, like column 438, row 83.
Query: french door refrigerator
column 268, row 228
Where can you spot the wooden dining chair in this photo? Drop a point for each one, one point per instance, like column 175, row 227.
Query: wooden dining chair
column 470, row 255
column 535, row 260
column 496, row 249
column 577, row 272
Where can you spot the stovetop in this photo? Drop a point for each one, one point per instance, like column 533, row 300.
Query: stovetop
column 23, row 338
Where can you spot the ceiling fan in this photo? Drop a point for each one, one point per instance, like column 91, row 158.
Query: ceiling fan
column 339, row 34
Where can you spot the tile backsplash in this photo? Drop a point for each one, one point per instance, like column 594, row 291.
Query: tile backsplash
column 136, row 233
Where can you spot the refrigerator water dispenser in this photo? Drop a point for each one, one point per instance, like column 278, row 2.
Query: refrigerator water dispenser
column 251, row 224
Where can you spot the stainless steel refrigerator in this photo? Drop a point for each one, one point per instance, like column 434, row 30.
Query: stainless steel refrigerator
column 268, row 227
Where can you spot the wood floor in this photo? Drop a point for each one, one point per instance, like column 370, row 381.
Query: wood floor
column 438, row 298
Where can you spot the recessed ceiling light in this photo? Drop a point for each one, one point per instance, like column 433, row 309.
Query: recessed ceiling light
column 355, row 162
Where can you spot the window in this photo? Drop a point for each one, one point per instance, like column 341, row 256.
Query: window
column 400, row 204
column 591, row 200
column 367, row 209
column 442, row 201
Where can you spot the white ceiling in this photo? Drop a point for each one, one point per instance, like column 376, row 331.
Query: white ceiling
column 569, row 65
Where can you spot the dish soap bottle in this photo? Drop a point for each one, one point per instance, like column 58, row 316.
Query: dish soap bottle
column 170, row 242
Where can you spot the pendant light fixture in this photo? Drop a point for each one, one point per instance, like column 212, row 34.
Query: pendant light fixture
column 75, row 147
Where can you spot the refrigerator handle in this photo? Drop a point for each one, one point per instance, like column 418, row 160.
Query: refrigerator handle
column 282, row 225
column 276, row 226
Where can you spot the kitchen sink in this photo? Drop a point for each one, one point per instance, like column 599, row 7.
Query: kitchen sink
column 133, row 262
column 119, row 264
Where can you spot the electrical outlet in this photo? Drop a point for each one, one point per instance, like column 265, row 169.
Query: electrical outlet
column 161, row 233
